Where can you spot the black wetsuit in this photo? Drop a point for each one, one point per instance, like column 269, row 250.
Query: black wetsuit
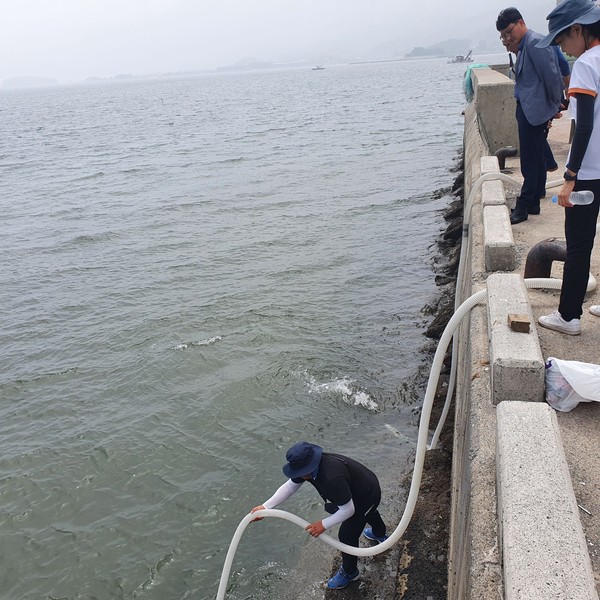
column 341, row 479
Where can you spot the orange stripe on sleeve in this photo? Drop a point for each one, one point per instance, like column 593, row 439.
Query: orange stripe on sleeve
column 573, row 91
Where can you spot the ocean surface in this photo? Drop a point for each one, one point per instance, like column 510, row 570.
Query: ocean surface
column 196, row 274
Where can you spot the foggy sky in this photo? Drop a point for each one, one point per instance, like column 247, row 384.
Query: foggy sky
column 73, row 39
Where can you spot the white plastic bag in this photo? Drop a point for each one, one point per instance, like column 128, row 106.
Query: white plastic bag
column 569, row 382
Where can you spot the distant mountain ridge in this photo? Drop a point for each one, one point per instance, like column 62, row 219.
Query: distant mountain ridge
column 445, row 48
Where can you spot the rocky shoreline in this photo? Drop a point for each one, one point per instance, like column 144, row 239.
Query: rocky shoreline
column 424, row 561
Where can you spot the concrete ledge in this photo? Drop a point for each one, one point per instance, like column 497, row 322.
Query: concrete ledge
column 545, row 555
column 517, row 364
column 489, row 164
column 495, row 105
column 499, row 244
column 492, row 192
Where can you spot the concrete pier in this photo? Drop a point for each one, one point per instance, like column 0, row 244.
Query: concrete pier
column 525, row 516
column 543, row 545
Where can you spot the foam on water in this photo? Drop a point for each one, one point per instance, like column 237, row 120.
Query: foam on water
column 207, row 342
column 343, row 387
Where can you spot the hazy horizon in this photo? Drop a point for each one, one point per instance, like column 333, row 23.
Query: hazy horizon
column 73, row 41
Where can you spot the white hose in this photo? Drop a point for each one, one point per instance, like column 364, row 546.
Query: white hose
column 468, row 206
column 413, row 493
column 460, row 275
column 460, row 312
column 436, row 368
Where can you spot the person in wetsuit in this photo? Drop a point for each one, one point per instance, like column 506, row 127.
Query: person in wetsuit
column 351, row 493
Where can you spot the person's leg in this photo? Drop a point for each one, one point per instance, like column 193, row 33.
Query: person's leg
column 349, row 533
column 376, row 522
column 551, row 164
column 545, row 153
column 580, row 230
column 533, row 166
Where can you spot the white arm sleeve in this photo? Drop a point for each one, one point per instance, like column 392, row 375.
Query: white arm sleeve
column 345, row 511
column 283, row 493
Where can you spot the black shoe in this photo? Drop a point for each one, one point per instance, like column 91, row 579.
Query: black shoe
column 518, row 216
column 533, row 210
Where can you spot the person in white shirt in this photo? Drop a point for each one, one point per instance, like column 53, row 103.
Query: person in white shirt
column 575, row 26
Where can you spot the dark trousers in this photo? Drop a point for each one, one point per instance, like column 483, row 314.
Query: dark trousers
column 351, row 529
column 532, row 154
column 549, row 156
column 580, row 229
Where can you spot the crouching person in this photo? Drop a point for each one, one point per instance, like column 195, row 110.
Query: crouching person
column 351, row 493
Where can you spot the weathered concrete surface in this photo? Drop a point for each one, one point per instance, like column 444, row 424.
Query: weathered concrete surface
column 516, row 358
column 494, row 97
column 580, row 429
column 475, row 565
column 543, row 546
column 493, row 193
column 499, row 245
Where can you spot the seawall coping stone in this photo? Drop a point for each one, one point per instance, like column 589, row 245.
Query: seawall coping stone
column 492, row 193
column 495, row 105
column 489, row 164
column 544, row 550
column 500, row 252
column 517, row 364
column 499, row 244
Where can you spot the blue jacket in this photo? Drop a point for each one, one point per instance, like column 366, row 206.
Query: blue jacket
column 538, row 82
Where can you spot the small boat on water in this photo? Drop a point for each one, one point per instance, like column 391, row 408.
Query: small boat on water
column 318, row 68
column 459, row 58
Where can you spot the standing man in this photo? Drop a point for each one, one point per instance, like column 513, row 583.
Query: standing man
column 351, row 493
column 565, row 71
column 538, row 91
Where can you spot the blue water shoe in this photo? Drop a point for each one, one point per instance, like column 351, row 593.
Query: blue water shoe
column 368, row 533
column 341, row 579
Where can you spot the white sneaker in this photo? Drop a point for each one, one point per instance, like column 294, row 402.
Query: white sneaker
column 557, row 323
column 595, row 310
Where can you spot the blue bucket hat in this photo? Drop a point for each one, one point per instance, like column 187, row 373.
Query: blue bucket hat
column 302, row 459
column 567, row 13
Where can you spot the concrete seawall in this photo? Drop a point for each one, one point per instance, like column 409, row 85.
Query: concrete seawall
column 516, row 529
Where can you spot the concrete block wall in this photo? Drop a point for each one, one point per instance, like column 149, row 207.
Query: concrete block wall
column 545, row 555
column 474, row 565
column 516, row 358
column 494, row 99
column 501, row 543
column 499, row 245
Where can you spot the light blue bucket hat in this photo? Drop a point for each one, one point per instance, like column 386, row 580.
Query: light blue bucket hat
column 567, row 13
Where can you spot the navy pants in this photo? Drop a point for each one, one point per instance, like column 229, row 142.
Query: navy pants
column 532, row 153
column 351, row 529
column 580, row 229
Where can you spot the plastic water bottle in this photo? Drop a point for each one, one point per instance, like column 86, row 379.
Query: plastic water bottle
column 578, row 198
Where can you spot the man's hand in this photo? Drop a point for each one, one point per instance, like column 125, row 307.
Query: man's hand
column 315, row 529
column 261, row 507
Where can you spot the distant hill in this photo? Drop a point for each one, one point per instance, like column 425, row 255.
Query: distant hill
column 445, row 48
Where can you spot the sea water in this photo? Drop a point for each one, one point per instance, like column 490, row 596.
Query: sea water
column 197, row 273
